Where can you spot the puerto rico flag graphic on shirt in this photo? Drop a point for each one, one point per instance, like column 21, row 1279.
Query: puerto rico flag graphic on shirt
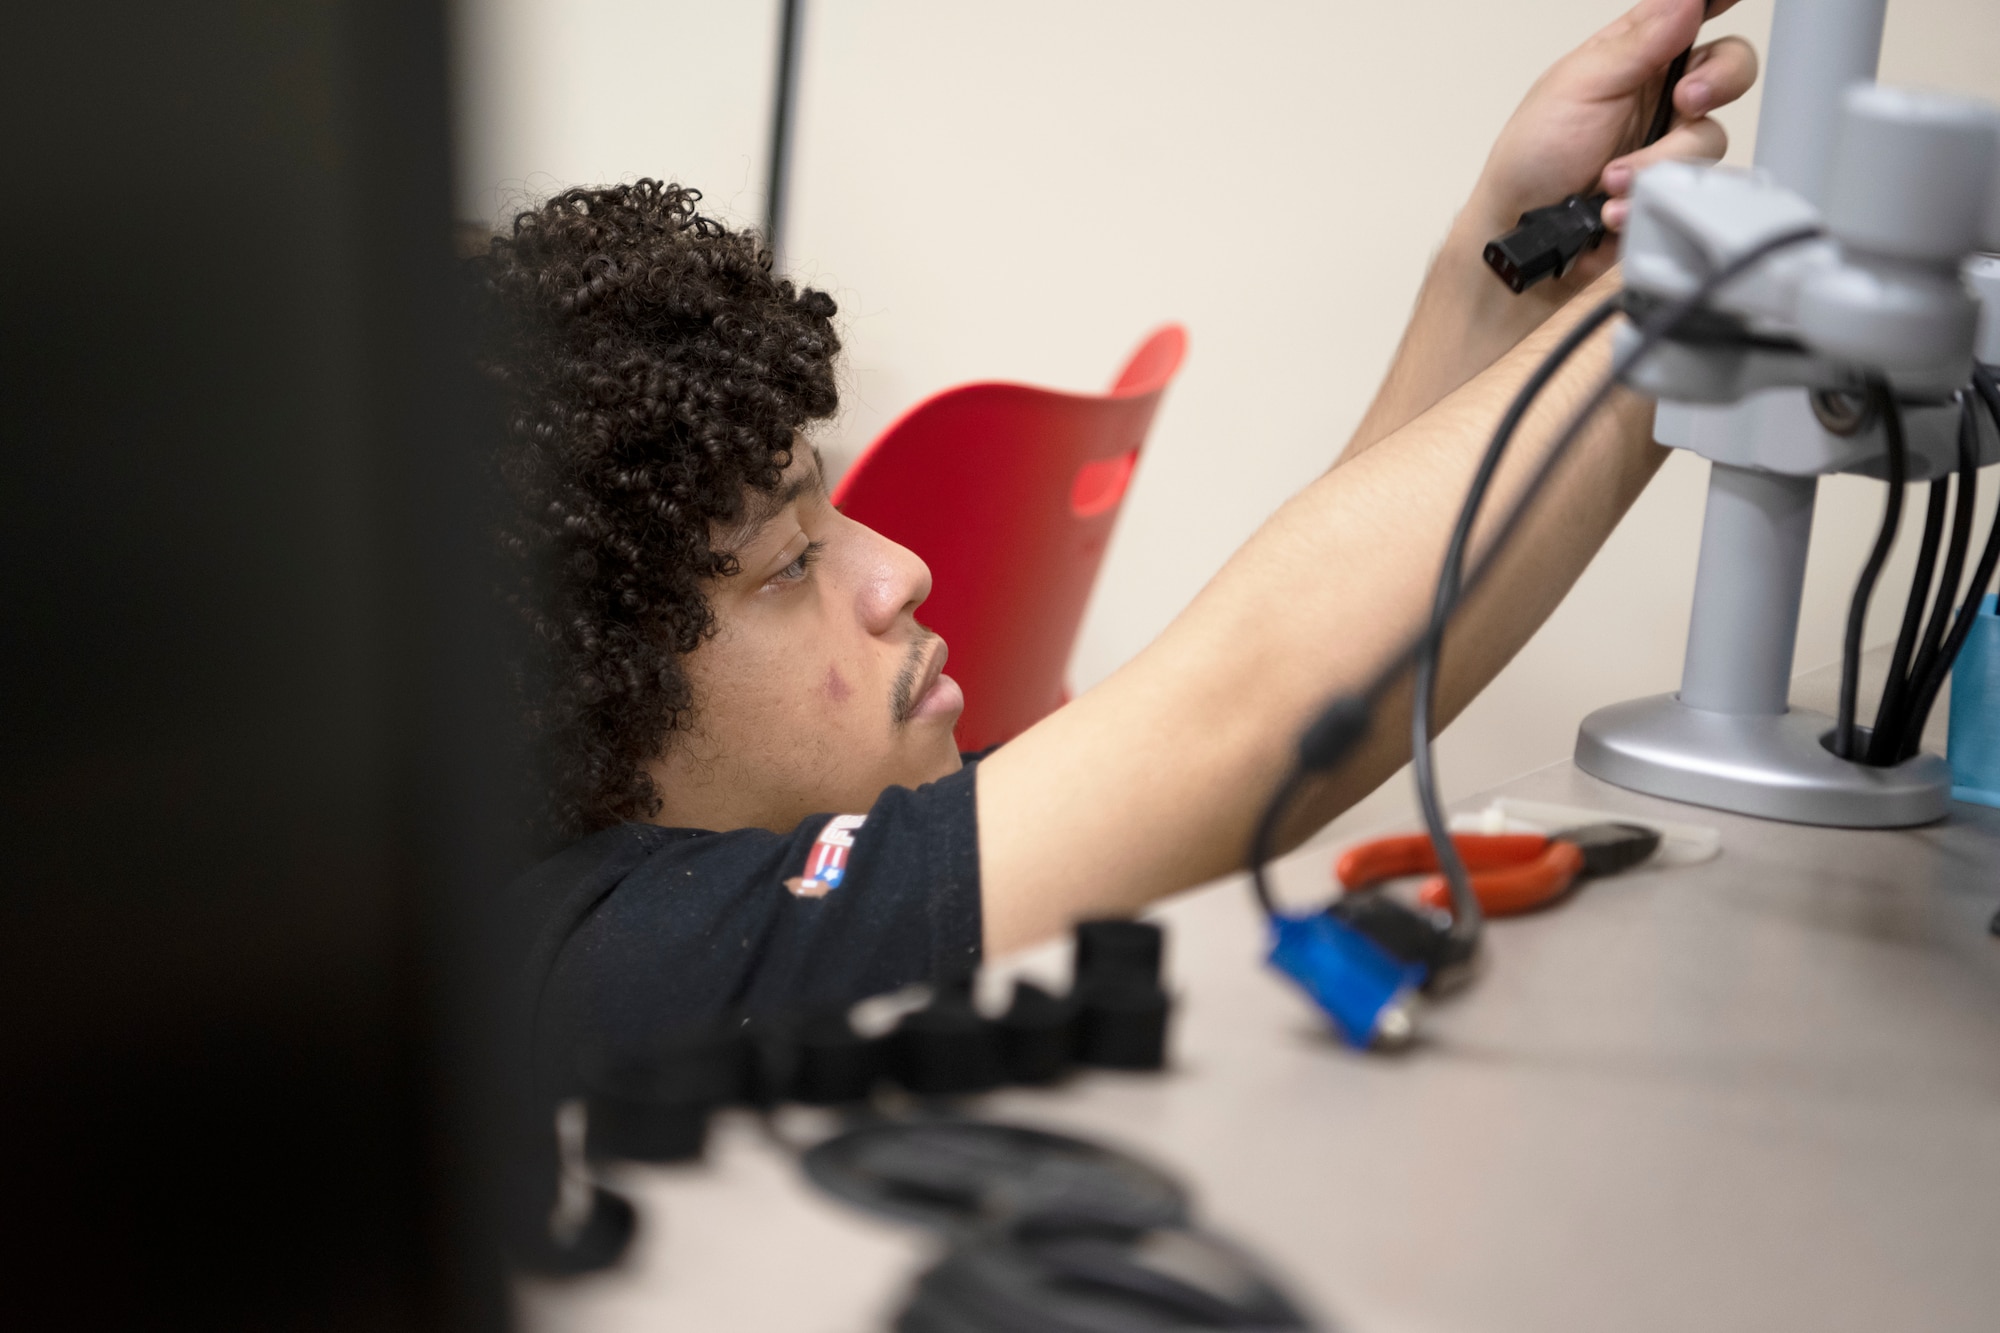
column 826, row 862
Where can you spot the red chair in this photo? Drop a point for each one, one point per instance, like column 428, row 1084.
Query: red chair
column 1008, row 492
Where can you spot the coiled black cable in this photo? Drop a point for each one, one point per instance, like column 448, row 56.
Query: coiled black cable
column 1342, row 724
column 1878, row 555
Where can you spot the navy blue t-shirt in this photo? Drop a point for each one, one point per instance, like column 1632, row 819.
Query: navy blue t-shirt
column 640, row 929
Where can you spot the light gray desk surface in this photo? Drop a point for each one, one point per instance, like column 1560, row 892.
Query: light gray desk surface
column 1759, row 1093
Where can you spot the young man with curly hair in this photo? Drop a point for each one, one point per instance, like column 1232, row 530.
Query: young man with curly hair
column 749, row 723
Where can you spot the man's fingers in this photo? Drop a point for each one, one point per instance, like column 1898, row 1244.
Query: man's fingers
column 1717, row 74
column 1631, row 52
column 1701, row 140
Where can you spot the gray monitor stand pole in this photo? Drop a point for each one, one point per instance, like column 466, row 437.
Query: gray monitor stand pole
column 1727, row 739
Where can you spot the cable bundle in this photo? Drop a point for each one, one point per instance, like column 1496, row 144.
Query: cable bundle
column 1922, row 659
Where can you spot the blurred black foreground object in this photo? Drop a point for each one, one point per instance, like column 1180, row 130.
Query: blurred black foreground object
column 652, row 1102
column 961, row 1175
column 1052, row 1234
column 253, row 792
column 1049, row 1233
column 1059, row 1278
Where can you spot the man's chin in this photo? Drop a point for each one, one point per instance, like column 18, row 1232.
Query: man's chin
column 939, row 758
column 942, row 758
column 912, row 767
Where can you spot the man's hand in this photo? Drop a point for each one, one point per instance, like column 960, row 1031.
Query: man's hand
column 1580, row 126
column 1578, row 130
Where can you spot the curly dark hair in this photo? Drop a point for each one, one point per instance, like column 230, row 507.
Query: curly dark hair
column 653, row 370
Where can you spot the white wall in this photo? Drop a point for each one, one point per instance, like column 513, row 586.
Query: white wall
column 553, row 93
column 1019, row 190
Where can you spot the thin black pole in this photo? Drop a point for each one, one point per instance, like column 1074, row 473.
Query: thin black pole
column 781, row 126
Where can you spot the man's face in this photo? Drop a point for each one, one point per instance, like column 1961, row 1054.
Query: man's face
column 819, row 687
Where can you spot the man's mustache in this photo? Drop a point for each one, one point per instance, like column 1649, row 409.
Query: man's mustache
column 903, row 695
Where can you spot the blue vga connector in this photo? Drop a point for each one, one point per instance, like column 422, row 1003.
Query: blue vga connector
column 1370, row 995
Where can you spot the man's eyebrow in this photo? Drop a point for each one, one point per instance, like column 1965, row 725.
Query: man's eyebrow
column 763, row 506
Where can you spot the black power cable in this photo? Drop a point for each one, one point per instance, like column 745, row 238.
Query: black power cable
column 1864, row 586
column 1961, row 532
column 1887, row 733
column 1345, row 720
column 1265, row 836
column 1663, row 110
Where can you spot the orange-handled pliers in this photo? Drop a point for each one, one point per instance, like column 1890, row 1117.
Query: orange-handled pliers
column 1511, row 872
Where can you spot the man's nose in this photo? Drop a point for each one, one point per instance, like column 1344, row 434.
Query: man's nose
column 897, row 583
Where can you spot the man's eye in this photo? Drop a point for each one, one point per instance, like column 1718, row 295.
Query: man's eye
column 795, row 571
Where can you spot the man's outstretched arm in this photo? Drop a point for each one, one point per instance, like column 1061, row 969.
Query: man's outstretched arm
column 1151, row 782
column 1576, row 131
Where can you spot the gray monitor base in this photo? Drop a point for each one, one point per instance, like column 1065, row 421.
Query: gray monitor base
column 1773, row 767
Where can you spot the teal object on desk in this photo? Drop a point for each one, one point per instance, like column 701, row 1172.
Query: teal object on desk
column 1974, row 743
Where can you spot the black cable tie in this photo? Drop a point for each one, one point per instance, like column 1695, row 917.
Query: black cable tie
column 1334, row 733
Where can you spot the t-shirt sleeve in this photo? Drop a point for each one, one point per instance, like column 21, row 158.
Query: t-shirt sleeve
column 754, row 922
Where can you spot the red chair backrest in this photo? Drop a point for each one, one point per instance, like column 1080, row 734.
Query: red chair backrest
column 1008, row 492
